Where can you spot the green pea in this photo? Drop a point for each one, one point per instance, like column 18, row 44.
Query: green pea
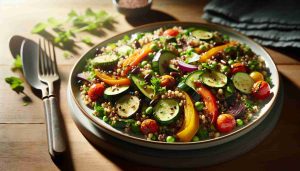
column 239, row 122
column 144, row 63
column 199, row 106
column 170, row 139
column 213, row 65
column 230, row 61
column 154, row 138
column 224, row 68
column 203, row 47
column 149, row 110
column 105, row 119
column 195, row 139
column 135, row 128
column 154, row 47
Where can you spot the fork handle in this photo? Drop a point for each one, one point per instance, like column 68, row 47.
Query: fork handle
column 58, row 141
column 48, row 125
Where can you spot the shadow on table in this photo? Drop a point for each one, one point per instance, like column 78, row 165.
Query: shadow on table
column 151, row 17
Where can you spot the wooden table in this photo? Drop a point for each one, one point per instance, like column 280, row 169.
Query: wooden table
column 23, row 143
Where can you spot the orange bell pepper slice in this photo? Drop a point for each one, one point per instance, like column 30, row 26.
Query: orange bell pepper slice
column 191, row 121
column 111, row 80
column 213, row 51
column 136, row 58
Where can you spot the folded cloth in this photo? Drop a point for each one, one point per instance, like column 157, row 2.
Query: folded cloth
column 272, row 23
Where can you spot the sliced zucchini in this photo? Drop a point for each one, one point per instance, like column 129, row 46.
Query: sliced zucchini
column 143, row 87
column 196, row 75
column 202, row 35
column 214, row 79
column 105, row 60
column 184, row 87
column 166, row 111
column 161, row 60
column 127, row 105
column 243, row 82
column 115, row 90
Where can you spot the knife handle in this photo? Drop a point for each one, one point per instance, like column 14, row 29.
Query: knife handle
column 58, row 140
column 48, row 125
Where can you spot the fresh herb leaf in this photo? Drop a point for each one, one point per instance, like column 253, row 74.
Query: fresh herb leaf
column 87, row 40
column 17, row 65
column 99, row 110
column 16, row 84
column 39, row 27
column 249, row 104
column 269, row 81
column 54, row 23
column 156, row 85
column 67, row 54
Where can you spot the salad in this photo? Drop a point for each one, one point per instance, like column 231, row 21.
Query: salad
column 175, row 84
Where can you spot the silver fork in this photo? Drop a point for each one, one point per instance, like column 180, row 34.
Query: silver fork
column 48, row 74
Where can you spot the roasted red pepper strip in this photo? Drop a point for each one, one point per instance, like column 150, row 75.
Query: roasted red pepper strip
column 209, row 101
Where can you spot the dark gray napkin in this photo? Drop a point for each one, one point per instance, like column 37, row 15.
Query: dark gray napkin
column 272, row 23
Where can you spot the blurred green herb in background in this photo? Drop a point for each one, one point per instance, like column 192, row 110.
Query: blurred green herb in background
column 66, row 31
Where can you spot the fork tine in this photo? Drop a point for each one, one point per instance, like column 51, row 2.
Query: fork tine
column 46, row 62
column 41, row 61
column 54, row 59
column 49, row 58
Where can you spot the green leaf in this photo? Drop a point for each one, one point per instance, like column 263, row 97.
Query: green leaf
column 38, row 28
column 54, row 22
column 87, row 40
column 67, row 54
column 72, row 14
column 89, row 12
column 16, row 84
column 17, row 65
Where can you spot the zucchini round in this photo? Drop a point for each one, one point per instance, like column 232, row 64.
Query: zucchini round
column 105, row 60
column 196, row 75
column 144, row 88
column 127, row 105
column 214, row 79
column 243, row 82
column 202, row 35
column 160, row 62
column 115, row 90
column 166, row 111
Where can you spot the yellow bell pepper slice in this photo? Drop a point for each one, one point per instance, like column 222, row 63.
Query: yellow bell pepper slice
column 191, row 121
column 213, row 51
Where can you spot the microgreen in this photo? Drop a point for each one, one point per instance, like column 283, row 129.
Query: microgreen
column 16, row 84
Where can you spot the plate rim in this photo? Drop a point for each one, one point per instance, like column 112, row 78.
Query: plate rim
column 228, row 137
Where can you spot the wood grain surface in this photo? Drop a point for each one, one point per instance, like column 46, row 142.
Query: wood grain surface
column 23, row 143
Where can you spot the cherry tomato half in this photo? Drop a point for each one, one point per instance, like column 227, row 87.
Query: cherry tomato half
column 261, row 90
column 238, row 67
column 256, row 76
column 96, row 91
column 225, row 123
column 171, row 32
column 149, row 126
